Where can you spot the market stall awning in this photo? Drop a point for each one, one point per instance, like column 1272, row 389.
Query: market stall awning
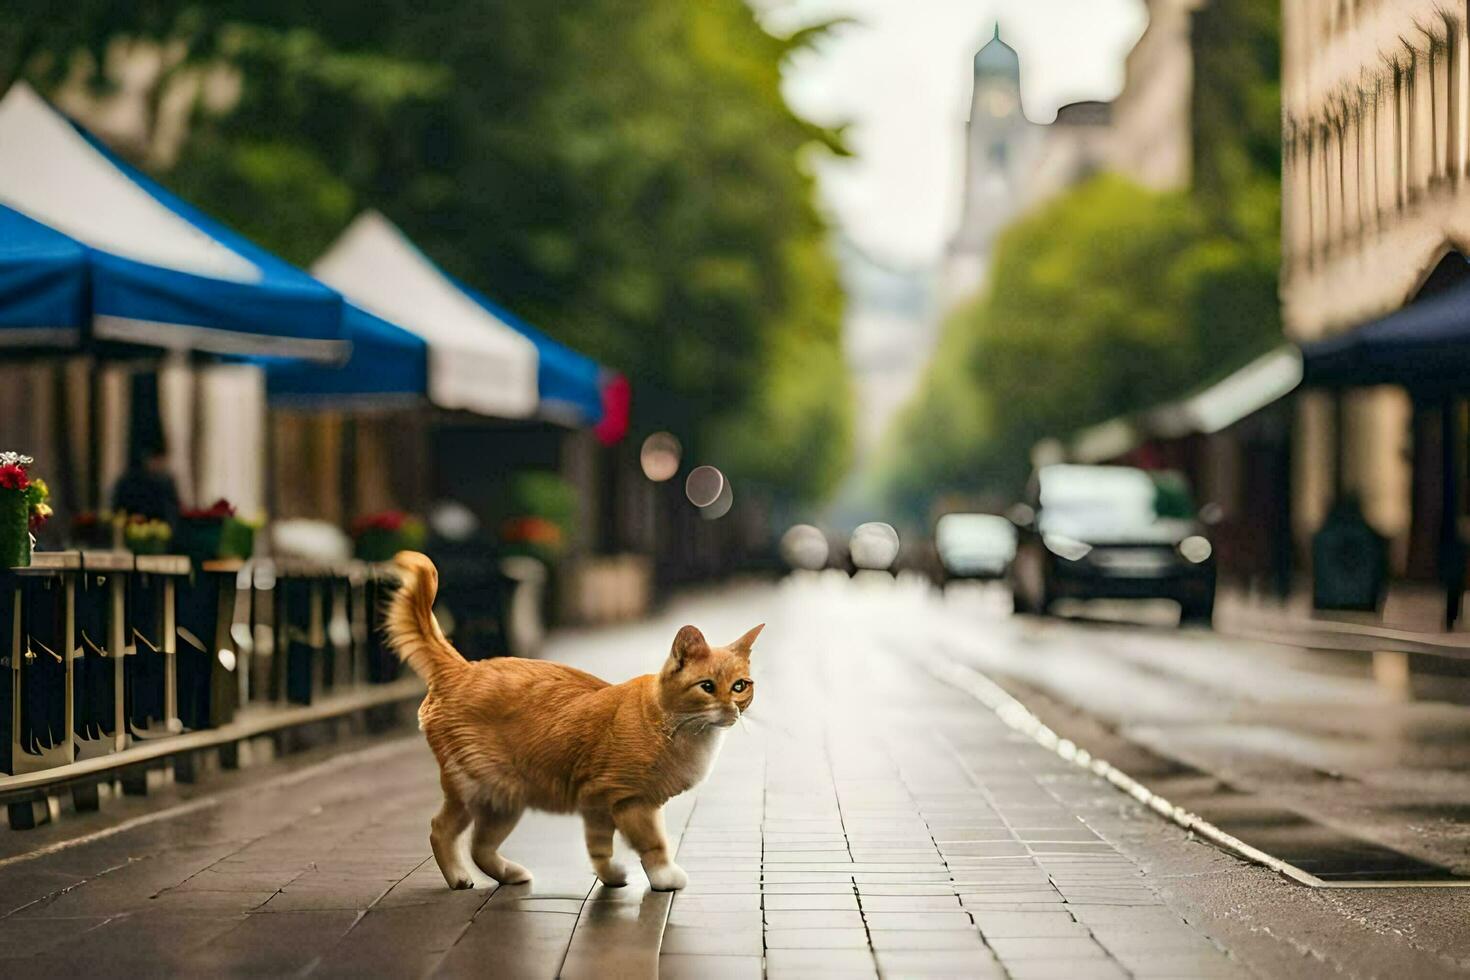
column 475, row 361
column 43, row 284
column 1263, row 381
column 388, row 365
column 567, row 382
column 1425, row 345
column 162, row 274
column 1212, row 409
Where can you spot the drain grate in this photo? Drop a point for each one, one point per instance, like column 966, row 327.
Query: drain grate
column 1322, row 852
column 1281, row 839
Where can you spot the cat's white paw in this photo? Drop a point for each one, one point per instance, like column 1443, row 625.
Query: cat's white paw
column 613, row 875
column 459, row 881
column 667, row 877
column 513, row 874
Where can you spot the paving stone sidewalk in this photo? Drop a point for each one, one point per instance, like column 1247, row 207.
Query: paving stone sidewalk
column 867, row 819
column 879, row 822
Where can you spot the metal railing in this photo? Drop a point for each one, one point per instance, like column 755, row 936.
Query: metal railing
column 116, row 663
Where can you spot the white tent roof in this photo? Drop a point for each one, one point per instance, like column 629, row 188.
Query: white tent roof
column 476, row 362
column 161, row 272
column 1247, row 391
column 51, row 172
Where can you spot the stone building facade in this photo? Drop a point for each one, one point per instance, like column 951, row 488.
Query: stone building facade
column 1013, row 164
column 1375, row 215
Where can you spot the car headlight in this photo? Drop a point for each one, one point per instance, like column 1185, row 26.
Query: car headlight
column 1195, row 549
column 1064, row 547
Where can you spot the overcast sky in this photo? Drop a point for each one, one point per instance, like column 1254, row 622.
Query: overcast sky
column 901, row 78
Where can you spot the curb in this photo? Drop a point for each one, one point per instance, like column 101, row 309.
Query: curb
column 1020, row 719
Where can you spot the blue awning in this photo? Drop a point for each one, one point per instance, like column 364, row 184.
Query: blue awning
column 388, row 364
column 568, row 382
column 1422, row 346
column 43, row 284
column 162, row 273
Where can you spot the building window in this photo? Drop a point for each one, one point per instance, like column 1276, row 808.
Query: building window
column 1400, row 137
column 1385, row 147
column 1421, row 124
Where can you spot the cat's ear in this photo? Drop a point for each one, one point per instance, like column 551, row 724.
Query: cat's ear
column 689, row 644
column 742, row 646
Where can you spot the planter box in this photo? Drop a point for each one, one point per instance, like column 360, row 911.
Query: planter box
column 206, row 538
column 378, row 546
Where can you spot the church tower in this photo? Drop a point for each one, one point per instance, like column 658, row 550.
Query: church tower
column 997, row 126
column 1000, row 145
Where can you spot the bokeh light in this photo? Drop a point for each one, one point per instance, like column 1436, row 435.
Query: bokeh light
column 660, row 456
column 805, row 547
column 721, row 504
column 874, row 546
column 704, row 485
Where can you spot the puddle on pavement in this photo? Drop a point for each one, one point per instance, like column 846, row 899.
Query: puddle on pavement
column 1331, row 855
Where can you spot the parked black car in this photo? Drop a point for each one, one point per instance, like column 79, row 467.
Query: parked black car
column 1112, row 532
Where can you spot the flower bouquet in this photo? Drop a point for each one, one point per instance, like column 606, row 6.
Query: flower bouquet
column 378, row 537
column 146, row 535
column 215, row 532
column 23, row 509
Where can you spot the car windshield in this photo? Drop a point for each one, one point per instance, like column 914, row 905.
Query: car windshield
column 1086, row 502
column 983, row 534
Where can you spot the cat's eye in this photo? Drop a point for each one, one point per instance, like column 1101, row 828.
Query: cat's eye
column 708, row 687
column 739, row 686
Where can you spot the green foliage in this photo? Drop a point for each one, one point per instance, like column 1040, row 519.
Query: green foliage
column 1107, row 300
column 1237, row 113
column 796, row 435
column 539, row 493
column 940, row 440
column 626, row 176
column 1088, row 315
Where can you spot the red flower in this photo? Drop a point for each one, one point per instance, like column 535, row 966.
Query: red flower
column 217, row 511
column 531, row 530
column 13, row 477
column 388, row 520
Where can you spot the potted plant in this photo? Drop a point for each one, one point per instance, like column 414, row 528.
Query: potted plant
column 23, row 509
column 543, row 507
column 96, row 531
column 146, row 535
column 215, row 532
column 380, row 536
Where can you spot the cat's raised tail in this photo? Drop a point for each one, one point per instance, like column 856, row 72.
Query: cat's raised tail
column 413, row 632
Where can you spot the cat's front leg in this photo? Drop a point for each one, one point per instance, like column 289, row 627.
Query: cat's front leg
column 643, row 826
column 599, row 827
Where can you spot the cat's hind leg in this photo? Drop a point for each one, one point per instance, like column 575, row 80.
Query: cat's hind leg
column 492, row 826
column 643, row 826
column 599, row 826
column 445, row 831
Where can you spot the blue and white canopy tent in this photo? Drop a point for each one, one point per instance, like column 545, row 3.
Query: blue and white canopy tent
column 568, row 382
column 474, row 361
column 388, row 367
column 161, row 274
column 432, row 336
column 43, row 285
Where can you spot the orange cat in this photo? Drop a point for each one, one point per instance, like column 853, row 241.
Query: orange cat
column 511, row 734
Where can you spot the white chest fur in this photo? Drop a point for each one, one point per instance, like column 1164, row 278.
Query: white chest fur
column 697, row 755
